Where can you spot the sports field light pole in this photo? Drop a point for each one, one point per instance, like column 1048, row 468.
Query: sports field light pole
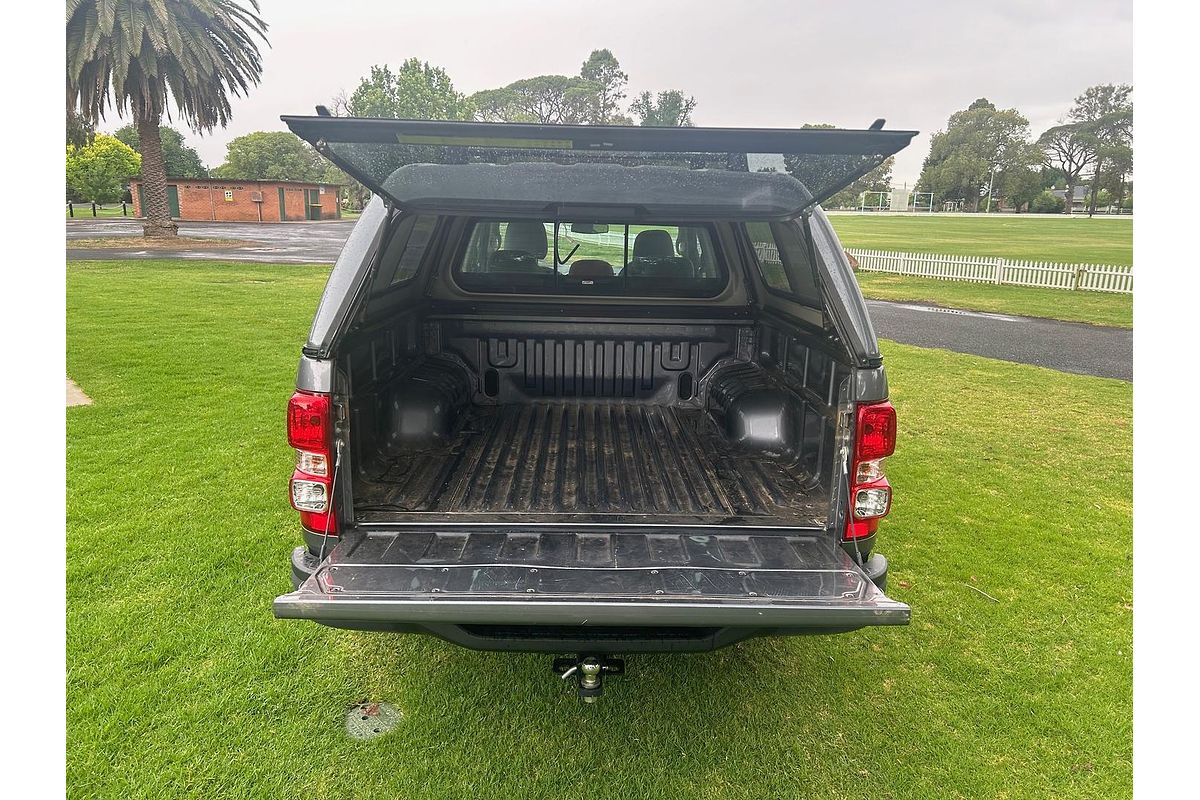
column 991, row 180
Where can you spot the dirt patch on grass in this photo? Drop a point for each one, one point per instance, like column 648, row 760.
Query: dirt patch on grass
column 142, row 243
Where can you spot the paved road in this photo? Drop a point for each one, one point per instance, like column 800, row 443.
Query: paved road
column 1065, row 346
column 286, row 242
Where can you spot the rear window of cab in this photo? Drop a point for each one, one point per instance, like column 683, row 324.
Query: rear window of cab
column 590, row 258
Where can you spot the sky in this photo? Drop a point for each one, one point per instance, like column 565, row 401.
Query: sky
column 762, row 63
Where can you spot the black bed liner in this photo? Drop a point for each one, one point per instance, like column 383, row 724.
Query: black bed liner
column 591, row 461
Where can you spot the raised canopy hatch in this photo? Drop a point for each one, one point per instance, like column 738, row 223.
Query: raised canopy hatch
column 635, row 171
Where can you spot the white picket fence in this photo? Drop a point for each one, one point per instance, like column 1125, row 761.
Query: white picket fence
column 1011, row 272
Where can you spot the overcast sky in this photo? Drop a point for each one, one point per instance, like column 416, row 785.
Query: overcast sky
column 771, row 63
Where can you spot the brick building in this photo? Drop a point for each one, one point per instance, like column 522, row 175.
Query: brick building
column 216, row 199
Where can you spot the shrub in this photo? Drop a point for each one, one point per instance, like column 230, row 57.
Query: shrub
column 1047, row 203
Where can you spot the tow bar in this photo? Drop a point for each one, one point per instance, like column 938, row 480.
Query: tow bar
column 589, row 673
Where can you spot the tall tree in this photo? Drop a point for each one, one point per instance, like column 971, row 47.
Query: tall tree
column 414, row 90
column 546, row 99
column 1069, row 148
column 137, row 53
column 1020, row 186
column 98, row 172
column 271, row 156
column 1107, row 111
column 669, row 109
column 604, row 71
column 979, row 142
column 179, row 160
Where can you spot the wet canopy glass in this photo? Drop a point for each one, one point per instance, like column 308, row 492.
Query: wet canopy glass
column 603, row 172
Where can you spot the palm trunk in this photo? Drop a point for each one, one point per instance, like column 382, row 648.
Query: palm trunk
column 154, row 182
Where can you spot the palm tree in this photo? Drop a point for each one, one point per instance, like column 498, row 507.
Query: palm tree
column 133, row 53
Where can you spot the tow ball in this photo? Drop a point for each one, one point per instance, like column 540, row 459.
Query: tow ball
column 589, row 672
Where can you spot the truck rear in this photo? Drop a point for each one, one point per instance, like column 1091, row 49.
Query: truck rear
column 589, row 389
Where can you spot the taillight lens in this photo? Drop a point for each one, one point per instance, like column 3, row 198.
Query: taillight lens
column 876, row 431
column 308, row 422
column 310, row 431
column 870, row 493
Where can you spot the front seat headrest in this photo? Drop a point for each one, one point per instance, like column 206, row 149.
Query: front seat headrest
column 528, row 237
column 588, row 268
column 653, row 244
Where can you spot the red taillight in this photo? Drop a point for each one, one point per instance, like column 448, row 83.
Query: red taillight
column 310, row 427
column 308, row 422
column 876, row 431
column 870, row 497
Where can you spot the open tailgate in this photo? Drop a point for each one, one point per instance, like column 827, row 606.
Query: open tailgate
column 658, row 577
column 685, row 172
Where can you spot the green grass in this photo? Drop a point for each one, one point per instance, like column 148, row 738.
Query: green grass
column 84, row 211
column 1068, row 241
column 1097, row 308
column 1011, row 479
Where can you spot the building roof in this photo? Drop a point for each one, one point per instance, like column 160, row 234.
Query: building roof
column 176, row 179
column 1081, row 192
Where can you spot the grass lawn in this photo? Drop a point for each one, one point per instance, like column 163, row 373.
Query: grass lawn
column 1010, row 479
column 1069, row 241
column 1098, row 308
column 84, row 211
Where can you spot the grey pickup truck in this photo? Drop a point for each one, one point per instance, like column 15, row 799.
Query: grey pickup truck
column 592, row 390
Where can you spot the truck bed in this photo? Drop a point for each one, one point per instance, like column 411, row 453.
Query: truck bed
column 580, row 461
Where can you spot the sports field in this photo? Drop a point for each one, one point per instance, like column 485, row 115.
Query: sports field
column 1025, row 236
column 1074, row 240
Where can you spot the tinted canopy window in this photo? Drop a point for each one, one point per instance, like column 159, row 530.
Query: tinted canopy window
column 783, row 261
column 685, row 173
column 601, row 259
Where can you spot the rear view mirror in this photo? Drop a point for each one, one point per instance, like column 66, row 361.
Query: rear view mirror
column 588, row 227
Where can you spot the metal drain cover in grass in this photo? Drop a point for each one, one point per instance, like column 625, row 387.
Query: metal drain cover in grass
column 367, row 720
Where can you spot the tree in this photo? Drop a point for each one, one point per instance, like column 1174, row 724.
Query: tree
column 1047, row 203
column 271, row 156
column 670, row 109
column 604, row 71
column 1021, row 186
column 978, row 141
column 1107, row 112
column 546, row 99
column 414, row 90
column 134, row 53
column 1069, row 148
column 79, row 132
column 179, row 160
column 98, row 172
